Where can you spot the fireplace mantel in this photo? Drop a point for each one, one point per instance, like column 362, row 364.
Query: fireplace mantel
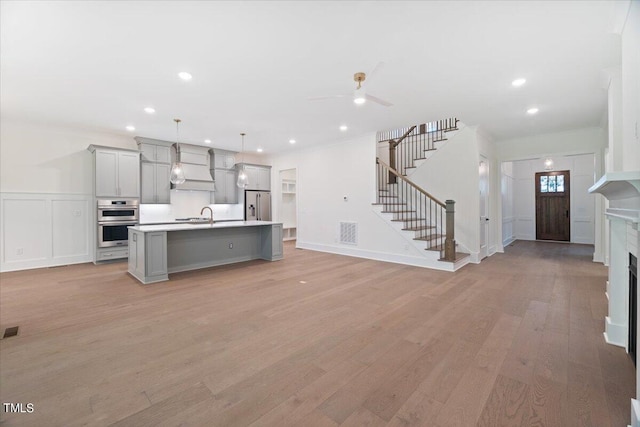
column 618, row 185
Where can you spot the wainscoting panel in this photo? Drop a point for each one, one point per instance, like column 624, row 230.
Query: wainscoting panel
column 44, row 230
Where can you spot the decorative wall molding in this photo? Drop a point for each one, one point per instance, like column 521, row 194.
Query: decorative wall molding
column 45, row 230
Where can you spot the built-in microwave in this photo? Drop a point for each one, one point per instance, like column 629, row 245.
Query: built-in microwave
column 117, row 210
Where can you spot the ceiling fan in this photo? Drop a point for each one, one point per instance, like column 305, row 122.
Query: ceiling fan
column 359, row 95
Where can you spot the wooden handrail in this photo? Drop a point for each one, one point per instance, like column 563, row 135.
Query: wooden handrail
column 394, row 142
column 413, row 184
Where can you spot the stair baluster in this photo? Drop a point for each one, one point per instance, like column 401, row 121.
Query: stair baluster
column 431, row 219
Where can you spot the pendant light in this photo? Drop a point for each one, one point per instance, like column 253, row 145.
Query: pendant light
column 177, row 172
column 243, row 179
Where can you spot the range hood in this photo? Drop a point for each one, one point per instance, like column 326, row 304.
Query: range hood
column 197, row 167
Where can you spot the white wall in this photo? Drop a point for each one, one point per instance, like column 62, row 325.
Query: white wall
column 325, row 175
column 50, row 159
column 582, row 204
column 452, row 173
column 631, row 90
column 575, row 141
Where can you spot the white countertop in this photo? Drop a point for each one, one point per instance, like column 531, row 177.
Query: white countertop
column 191, row 226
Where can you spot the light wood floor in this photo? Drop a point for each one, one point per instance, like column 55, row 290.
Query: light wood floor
column 318, row 340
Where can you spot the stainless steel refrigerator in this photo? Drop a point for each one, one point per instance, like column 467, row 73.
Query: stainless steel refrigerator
column 257, row 205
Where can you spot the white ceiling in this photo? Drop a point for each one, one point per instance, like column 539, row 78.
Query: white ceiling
column 254, row 64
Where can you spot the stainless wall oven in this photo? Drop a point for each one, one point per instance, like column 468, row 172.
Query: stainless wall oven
column 114, row 216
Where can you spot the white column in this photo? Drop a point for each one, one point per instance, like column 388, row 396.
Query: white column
column 616, row 323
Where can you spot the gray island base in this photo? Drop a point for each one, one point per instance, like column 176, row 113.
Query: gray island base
column 157, row 250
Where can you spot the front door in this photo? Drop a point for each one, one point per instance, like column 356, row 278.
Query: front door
column 552, row 206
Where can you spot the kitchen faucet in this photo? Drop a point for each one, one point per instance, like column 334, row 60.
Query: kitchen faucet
column 210, row 211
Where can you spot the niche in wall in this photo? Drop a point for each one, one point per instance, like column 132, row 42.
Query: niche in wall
column 288, row 194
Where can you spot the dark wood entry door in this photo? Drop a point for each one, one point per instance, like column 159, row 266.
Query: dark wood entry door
column 552, row 206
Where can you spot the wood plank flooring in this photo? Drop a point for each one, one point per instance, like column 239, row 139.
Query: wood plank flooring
column 317, row 340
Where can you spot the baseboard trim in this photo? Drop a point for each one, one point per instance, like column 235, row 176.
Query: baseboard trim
column 380, row 256
column 44, row 263
column 508, row 241
column 614, row 333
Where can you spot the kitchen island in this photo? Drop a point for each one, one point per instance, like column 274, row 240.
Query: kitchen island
column 157, row 250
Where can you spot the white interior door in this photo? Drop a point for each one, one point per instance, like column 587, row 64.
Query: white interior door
column 483, row 171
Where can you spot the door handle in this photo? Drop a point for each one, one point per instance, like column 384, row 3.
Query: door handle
column 567, row 213
column 486, row 219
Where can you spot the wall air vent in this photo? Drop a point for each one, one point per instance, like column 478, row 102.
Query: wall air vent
column 349, row 233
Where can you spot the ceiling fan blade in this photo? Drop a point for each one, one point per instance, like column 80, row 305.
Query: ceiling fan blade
column 320, row 98
column 378, row 100
column 373, row 72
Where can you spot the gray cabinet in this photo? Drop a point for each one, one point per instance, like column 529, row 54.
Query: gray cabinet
column 154, row 153
column 224, row 173
column 155, row 185
column 223, row 159
column 117, row 172
column 155, row 170
column 258, row 176
column 148, row 256
column 226, row 190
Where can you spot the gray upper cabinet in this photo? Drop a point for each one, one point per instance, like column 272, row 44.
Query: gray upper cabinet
column 117, row 172
column 155, row 170
column 226, row 190
column 155, row 185
column 224, row 171
column 154, row 153
column 259, row 177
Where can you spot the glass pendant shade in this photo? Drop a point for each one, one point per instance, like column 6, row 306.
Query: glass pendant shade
column 177, row 174
column 243, row 179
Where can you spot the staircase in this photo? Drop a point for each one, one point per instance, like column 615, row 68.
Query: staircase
column 429, row 221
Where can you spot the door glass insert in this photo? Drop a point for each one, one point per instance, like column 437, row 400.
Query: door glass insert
column 551, row 184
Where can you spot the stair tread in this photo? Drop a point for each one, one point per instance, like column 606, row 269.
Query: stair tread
column 408, row 219
column 451, row 129
column 420, row 227
column 390, row 204
column 429, row 238
column 404, row 211
column 459, row 256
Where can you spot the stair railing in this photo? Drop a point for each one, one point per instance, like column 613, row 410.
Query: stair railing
column 431, row 219
column 406, row 145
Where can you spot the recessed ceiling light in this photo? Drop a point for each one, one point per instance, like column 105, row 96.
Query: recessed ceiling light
column 259, row 150
column 207, row 141
column 343, row 128
column 149, row 110
column 518, row 82
column 292, row 141
column 184, row 75
column 532, row 111
column 130, row 128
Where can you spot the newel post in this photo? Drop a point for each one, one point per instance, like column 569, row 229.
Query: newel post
column 450, row 243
